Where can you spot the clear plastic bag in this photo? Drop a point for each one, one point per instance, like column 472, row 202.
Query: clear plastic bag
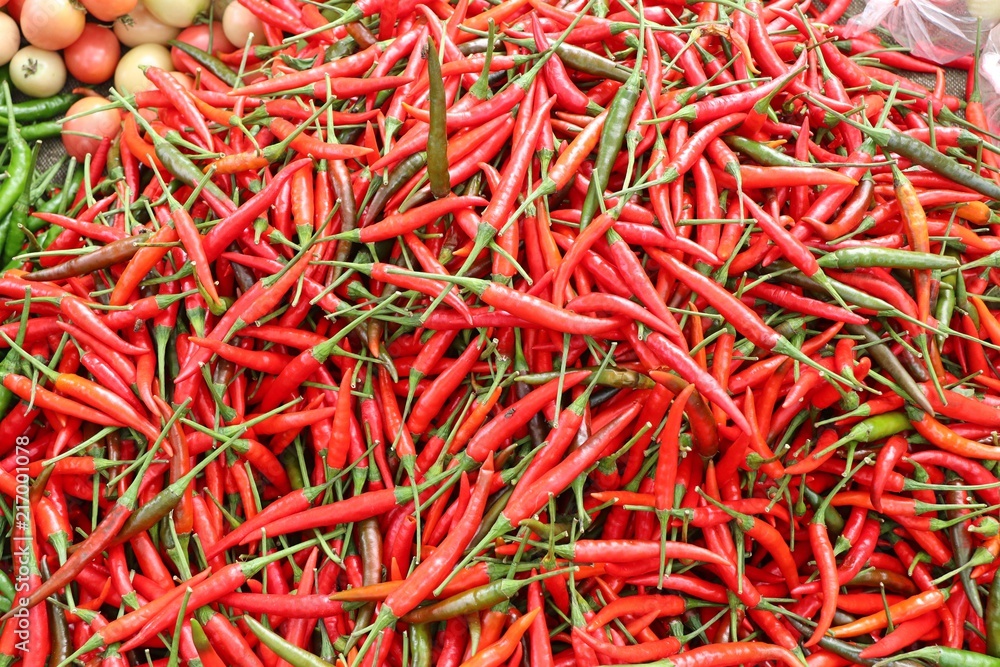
column 989, row 79
column 938, row 30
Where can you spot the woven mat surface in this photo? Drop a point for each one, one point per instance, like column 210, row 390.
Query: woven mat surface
column 52, row 149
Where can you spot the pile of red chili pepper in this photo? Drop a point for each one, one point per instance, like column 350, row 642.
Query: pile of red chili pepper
column 513, row 333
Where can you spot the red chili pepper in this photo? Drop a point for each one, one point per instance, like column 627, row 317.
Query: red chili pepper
column 230, row 228
column 943, row 437
column 25, row 389
column 179, row 98
column 313, row 146
column 347, row 66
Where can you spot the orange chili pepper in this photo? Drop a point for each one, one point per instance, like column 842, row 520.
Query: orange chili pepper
column 912, row 607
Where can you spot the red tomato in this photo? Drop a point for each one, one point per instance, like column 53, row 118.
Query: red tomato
column 198, row 37
column 108, row 10
column 52, row 24
column 82, row 136
column 14, row 9
column 92, row 58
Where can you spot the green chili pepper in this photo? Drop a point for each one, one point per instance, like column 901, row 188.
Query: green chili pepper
column 291, row 465
column 43, row 130
column 846, row 292
column 608, row 377
column 992, row 619
column 422, row 643
column 612, row 137
column 961, row 542
column 762, row 153
column 6, row 223
column 889, row 258
column 289, row 652
column 19, row 218
column 582, row 60
column 41, row 109
column 114, row 160
column 198, row 635
column 874, row 428
column 6, row 587
column 930, row 158
column 209, row 62
column 396, row 179
column 60, row 647
column 946, row 301
column 942, row 656
column 60, row 638
column 339, row 49
column 437, row 137
column 182, row 168
column 471, row 601
column 849, row 650
column 19, row 169
column 546, row 530
column 10, row 364
column 831, row 517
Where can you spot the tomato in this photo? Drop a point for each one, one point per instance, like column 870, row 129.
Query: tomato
column 178, row 13
column 10, row 38
column 83, row 135
column 37, row 72
column 143, row 28
column 199, row 36
column 129, row 77
column 14, row 9
column 108, row 10
column 92, row 58
column 52, row 24
column 239, row 23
